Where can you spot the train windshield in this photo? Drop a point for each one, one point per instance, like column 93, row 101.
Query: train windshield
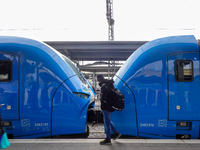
column 75, row 69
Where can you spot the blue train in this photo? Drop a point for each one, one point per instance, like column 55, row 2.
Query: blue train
column 161, row 82
column 42, row 93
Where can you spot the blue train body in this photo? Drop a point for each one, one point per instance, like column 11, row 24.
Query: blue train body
column 43, row 92
column 161, row 82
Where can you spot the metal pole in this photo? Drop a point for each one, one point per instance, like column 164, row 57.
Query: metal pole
column 108, row 69
column 94, row 81
column 114, row 68
column 109, row 15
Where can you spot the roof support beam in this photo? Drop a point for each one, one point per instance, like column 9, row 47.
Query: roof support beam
column 97, row 50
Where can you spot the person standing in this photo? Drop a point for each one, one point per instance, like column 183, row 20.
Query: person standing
column 2, row 100
column 1, row 123
column 106, row 107
column 4, row 143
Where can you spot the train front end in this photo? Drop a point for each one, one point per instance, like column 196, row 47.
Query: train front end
column 43, row 93
column 160, row 82
column 70, row 104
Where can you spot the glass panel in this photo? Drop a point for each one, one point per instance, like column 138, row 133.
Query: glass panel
column 76, row 70
column 5, row 70
column 184, row 70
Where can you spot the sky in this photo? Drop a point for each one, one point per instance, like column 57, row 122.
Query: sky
column 85, row 20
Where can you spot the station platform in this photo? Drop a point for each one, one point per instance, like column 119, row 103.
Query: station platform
column 93, row 144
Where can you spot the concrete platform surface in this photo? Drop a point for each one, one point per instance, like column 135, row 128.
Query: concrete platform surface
column 93, row 144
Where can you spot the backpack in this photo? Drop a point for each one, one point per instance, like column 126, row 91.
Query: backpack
column 117, row 99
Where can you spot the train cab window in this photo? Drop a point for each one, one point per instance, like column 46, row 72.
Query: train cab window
column 184, row 70
column 5, row 70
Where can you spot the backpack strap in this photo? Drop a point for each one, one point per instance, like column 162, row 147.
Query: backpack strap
column 104, row 85
column 109, row 88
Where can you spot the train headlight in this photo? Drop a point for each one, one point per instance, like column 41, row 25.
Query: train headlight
column 183, row 124
column 81, row 95
column 7, row 124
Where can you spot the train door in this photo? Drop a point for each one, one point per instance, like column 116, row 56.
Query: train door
column 9, row 86
column 183, row 86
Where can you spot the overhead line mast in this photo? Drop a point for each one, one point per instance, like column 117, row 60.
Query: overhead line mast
column 109, row 15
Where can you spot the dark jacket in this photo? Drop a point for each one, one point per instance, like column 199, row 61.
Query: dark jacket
column 106, row 96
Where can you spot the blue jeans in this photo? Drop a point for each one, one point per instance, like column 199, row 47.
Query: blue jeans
column 108, row 123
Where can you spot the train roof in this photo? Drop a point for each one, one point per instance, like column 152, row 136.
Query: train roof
column 35, row 50
column 11, row 40
column 158, row 49
column 169, row 41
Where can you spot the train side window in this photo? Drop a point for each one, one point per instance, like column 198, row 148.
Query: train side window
column 5, row 70
column 184, row 70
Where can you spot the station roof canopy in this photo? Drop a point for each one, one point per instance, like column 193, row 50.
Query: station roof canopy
column 107, row 55
column 96, row 50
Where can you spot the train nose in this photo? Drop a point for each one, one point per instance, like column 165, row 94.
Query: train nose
column 126, row 120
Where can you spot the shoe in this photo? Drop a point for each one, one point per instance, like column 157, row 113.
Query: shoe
column 105, row 142
column 117, row 135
